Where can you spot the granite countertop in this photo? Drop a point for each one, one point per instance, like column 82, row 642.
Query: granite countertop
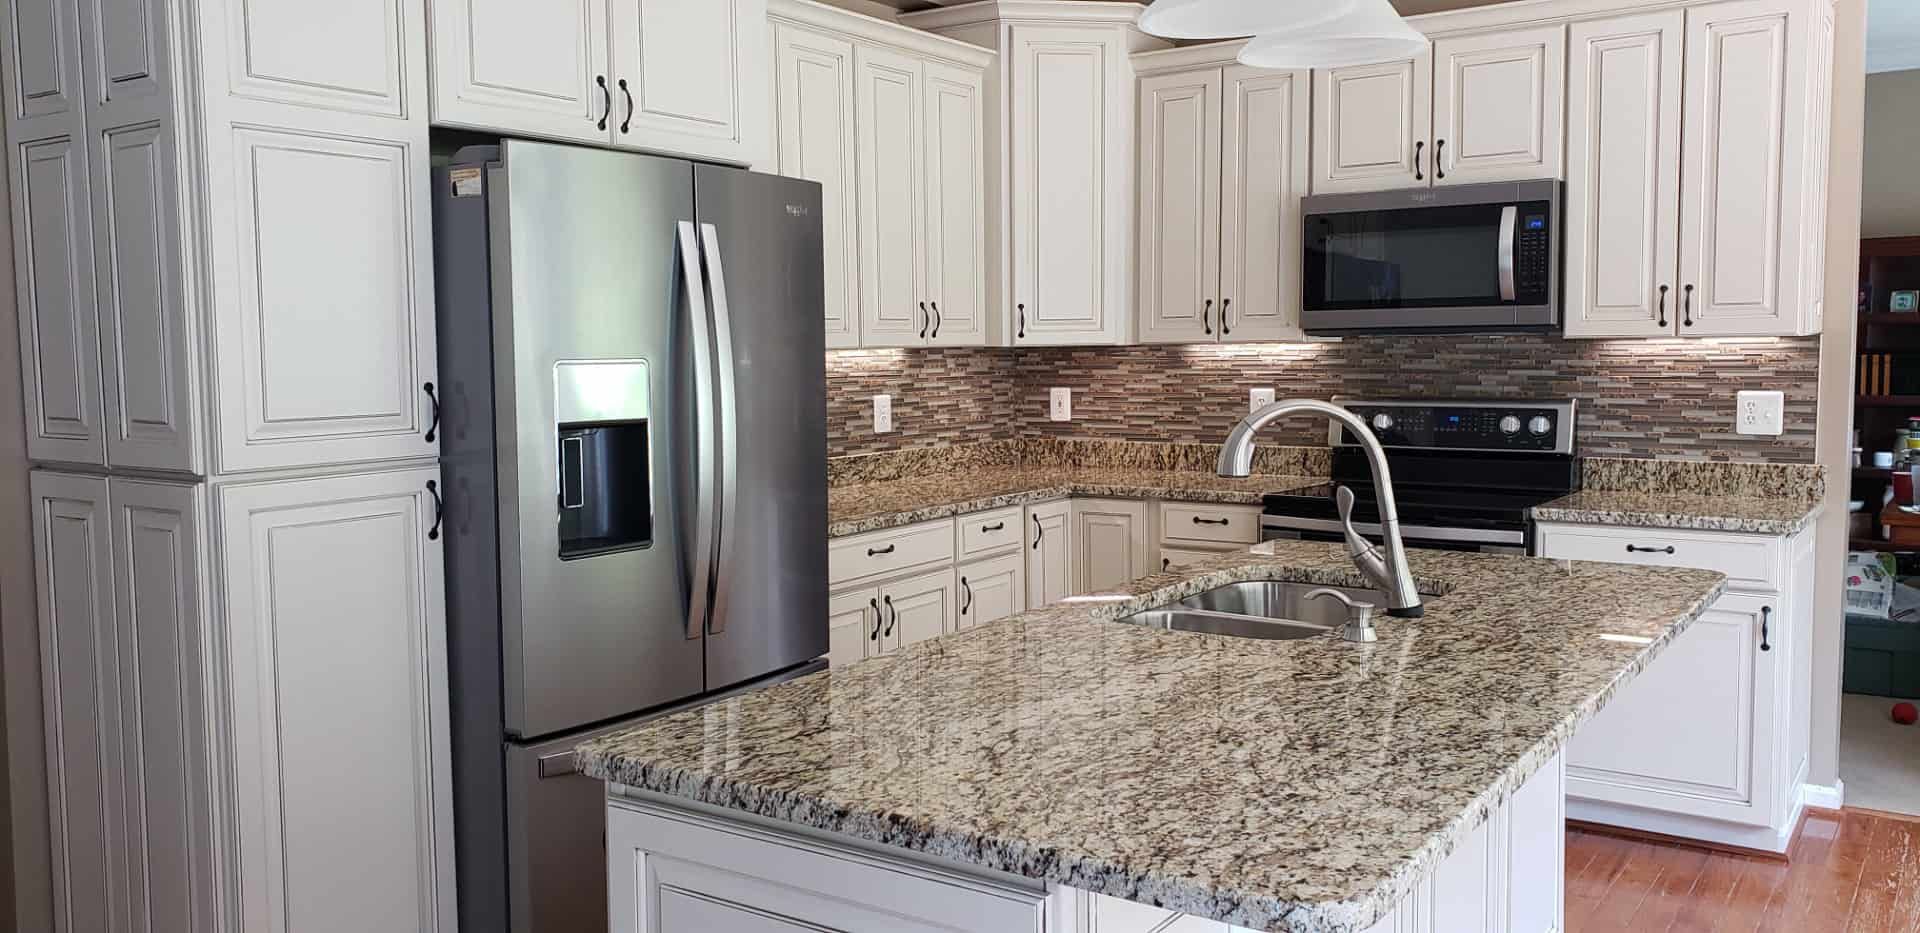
column 1279, row 785
column 1782, row 515
column 862, row 507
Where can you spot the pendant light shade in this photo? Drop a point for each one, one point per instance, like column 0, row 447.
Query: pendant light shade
column 1231, row 19
column 1370, row 32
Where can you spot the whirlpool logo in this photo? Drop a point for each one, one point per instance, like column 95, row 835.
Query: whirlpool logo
column 797, row 210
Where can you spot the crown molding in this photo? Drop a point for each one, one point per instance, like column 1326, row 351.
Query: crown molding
column 1107, row 12
column 848, row 24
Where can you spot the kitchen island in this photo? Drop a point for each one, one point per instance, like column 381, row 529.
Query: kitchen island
column 1016, row 775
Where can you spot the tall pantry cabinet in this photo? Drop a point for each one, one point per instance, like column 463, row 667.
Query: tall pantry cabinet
column 235, row 482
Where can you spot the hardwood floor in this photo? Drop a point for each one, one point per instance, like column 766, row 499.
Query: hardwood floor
column 1849, row 870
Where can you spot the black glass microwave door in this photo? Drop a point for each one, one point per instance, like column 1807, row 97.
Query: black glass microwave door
column 1427, row 257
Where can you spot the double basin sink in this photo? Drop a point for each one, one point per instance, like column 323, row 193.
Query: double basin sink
column 1256, row 609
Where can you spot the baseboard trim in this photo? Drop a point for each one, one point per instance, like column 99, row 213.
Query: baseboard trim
column 1825, row 796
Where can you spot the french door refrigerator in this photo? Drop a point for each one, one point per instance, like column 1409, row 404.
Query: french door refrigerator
column 634, row 449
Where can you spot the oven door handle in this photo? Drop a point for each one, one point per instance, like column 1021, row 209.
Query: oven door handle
column 1509, row 224
column 1409, row 533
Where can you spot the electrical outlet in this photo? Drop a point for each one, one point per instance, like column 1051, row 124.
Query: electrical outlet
column 1259, row 398
column 882, row 414
column 1760, row 412
column 1059, row 404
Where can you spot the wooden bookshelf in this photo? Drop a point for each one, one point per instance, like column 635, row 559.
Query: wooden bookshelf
column 1887, row 265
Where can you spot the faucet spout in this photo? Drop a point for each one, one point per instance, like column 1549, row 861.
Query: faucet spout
column 1389, row 572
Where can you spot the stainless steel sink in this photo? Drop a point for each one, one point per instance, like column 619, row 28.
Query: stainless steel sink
column 1255, row 609
column 1224, row 623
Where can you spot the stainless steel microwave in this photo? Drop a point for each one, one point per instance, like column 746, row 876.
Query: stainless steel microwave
column 1464, row 259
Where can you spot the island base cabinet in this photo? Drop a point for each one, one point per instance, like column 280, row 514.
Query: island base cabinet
column 675, row 871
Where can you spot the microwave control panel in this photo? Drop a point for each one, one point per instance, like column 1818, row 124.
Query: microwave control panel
column 1533, row 254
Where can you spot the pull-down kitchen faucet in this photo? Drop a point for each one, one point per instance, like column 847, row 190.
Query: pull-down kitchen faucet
column 1389, row 572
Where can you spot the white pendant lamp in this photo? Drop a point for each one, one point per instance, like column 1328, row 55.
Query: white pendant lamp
column 1231, row 19
column 1372, row 31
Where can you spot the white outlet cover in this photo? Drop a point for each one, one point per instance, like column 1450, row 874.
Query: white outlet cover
column 882, row 414
column 1760, row 412
column 1059, row 404
column 1259, row 398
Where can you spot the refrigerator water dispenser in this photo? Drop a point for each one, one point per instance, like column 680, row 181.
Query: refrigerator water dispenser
column 604, row 490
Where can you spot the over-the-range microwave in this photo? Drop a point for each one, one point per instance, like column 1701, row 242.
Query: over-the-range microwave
column 1464, row 259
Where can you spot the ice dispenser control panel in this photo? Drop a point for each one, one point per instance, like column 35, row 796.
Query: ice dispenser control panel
column 603, row 475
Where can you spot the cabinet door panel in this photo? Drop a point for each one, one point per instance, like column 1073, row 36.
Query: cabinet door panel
column 690, row 66
column 43, row 48
column 1498, row 101
column 888, row 88
column 851, row 633
column 124, row 51
column 350, row 55
column 1265, row 123
column 1372, row 126
column 992, row 589
column 815, row 130
column 1049, row 551
column 918, row 608
column 339, row 703
column 533, row 69
column 59, row 322
column 1180, row 207
column 1734, row 167
column 1109, row 543
column 327, row 367
column 1623, row 176
column 956, row 183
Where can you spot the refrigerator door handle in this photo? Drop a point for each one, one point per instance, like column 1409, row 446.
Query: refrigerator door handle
column 729, row 415
column 700, row 580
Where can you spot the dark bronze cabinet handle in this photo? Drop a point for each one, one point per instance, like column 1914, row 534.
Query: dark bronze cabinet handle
column 996, row 526
column 1039, row 531
column 1440, row 159
column 936, row 318
column 1419, row 146
column 1206, row 316
column 606, row 99
column 1023, row 320
column 1634, row 549
column 1212, row 521
column 1766, row 616
column 433, row 426
column 925, row 320
column 966, row 596
column 439, row 510
column 629, row 96
column 1663, row 306
column 893, row 615
column 1226, row 320
column 1687, row 304
column 876, row 620
column 876, row 552
column 1166, row 563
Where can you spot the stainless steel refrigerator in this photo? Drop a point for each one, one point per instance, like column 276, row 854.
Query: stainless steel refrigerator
column 633, row 412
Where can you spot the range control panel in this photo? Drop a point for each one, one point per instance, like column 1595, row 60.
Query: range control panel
column 1529, row 426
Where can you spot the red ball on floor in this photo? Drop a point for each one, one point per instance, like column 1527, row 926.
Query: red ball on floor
column 1905, row 714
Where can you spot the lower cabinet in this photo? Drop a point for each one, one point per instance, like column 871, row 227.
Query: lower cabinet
column 1049, row 553
column 867, row 622
column 1110, row 543
column 991, row 589
column 336, row 682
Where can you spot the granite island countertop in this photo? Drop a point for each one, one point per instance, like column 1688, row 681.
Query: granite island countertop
column 1783, row 515
column 863, row 507
column 1280, row 785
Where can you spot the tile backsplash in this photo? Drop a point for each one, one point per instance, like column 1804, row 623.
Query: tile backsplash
column 1638, row 398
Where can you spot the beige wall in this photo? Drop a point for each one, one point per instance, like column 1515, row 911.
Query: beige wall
column 1836, row 380
column 1890, row 188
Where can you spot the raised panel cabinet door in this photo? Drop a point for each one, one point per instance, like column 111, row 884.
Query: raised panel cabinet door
column 852, row 630
column 126, row 46
column 356, row 56
column 1179, row 284
column 1623, row 176
column 1266, row 119
column 43, row 55
column 1372, row 126
column 1109, row 543
column 956, row 191
column 1104, row 914
column 813, row 128
column 80, row 684
column 1737, row 269
column 337, row 686
column 1686, row 735
column 888, row 96
column 1499, row 100
column 991, row 590
column 918, row 608
column 1069, row 183
column 1049, row 552
column 320, row 366
column 530, row 69
column 59, row 318
column 695, row 83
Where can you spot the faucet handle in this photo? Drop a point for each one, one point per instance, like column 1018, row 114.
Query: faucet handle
column 1366, row 555
column 1359, row 625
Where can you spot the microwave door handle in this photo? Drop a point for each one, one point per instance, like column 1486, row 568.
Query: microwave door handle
column 1509, row 222
column 727, row 422
column 700, row 561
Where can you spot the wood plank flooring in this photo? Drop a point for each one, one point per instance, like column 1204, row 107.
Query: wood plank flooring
column 1850, row 871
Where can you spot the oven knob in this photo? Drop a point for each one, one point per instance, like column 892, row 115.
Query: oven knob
column 1539, row 424
column 1382, row 421
column 1509, row 425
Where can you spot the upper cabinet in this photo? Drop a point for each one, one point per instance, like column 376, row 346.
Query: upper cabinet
column 1222, row 165
column 892, row 123
column 1478, row 107
column 1697, row 152
column 683, row 77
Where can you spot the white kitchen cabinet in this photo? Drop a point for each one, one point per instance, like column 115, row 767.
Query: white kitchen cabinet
column 991, row 589
column 1373, row 126
column 1498, row 103
column 54, row 282
column 888, row 96
column 336, row 684
column 690, row 75
column 1223, row 164
column 814, row 133
column 1049, row 552
column 537, row 69
column 1110, row 543
column 919, row 608
column 953, row 135
column 853, row 626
